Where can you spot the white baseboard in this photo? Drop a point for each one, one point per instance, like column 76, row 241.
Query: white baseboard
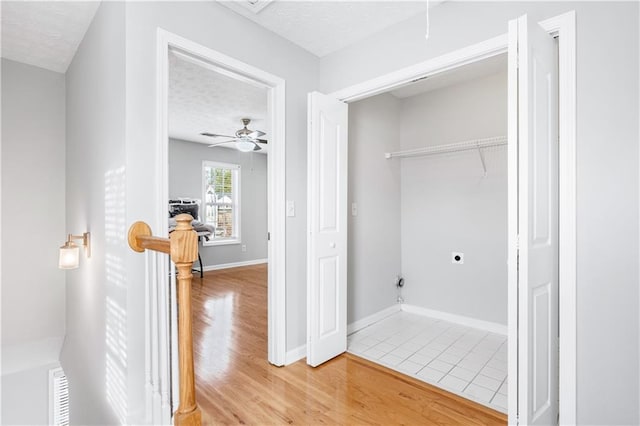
column 492, row 327
column 295, row 354
column 368, row 320
column 301, row 351
column 233, row 264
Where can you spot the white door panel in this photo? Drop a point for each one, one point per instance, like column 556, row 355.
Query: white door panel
column 327, row 225
column 534, row 84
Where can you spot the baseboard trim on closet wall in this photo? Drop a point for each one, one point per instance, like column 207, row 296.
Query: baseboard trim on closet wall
column 367, row 321
column 492, row 327
column 295, row 354
column 233, row 264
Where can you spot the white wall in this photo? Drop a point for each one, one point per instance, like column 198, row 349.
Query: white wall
column 33, row 227
column 33, row 193
column 374, row 184
column 448, row 206
column 96, row 352
column 607, row 169
column 216, row 27
column 185, row 180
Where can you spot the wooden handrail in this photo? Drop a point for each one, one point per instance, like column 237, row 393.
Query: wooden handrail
column 182, row 246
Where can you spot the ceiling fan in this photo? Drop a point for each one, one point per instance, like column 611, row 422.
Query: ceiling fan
column 246, row 140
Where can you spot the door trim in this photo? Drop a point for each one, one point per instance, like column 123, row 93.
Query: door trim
column 276, row 161
column 564, row 28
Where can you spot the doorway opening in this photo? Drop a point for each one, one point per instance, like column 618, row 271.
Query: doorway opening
column 521, row 355
column 428, row 196
column 237, row 193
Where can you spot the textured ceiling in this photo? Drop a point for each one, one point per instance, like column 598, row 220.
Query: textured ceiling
column 323, row 27
column 45, row 33
column 458, row 75
column 203, row 100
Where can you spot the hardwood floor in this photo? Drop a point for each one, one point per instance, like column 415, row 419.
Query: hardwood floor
column 236, row 384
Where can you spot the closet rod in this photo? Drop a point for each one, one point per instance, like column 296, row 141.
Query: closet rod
column 451, row 147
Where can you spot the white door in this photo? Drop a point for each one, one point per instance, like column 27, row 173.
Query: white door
column 533, row 130
column 327, row 227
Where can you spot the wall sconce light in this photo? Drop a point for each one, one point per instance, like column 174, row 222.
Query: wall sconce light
column 70, row 252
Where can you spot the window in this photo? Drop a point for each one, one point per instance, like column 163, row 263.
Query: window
column 221, row 206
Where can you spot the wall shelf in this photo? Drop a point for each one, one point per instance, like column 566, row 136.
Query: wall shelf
column 450, row 147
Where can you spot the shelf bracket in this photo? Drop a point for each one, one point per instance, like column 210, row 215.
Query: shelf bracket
column 484, row 166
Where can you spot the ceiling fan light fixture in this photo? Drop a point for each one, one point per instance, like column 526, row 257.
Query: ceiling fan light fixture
column 244, row 145
column 245, row 140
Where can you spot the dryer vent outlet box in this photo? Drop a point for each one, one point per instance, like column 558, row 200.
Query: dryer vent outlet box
column 457, row 258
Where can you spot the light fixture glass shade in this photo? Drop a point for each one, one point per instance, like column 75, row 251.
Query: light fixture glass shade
column 244, row 145
column 69, row 256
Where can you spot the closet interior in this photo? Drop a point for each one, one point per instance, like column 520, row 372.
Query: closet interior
column 427, row 242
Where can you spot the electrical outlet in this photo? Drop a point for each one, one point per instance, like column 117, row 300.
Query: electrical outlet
column 244, row 248
column 457, row 258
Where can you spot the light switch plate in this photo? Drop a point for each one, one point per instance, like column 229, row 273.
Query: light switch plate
column 291, row 208
column 354, row 209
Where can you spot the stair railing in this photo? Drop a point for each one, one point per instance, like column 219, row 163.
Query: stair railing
column 182, row 246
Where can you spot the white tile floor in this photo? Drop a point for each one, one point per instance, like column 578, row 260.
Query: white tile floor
column 466, row 361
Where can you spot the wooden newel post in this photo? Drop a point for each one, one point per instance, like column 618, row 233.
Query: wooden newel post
column 184, row 251
column 182, row 246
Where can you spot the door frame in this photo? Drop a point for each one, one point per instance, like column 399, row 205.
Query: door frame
column 276, row 162
column 564, row 28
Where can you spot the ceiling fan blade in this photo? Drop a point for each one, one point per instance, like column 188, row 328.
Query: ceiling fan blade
column 261, row 141
column 257, row 147
column 215, row 135
column 220, row 143
column 256, row 134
